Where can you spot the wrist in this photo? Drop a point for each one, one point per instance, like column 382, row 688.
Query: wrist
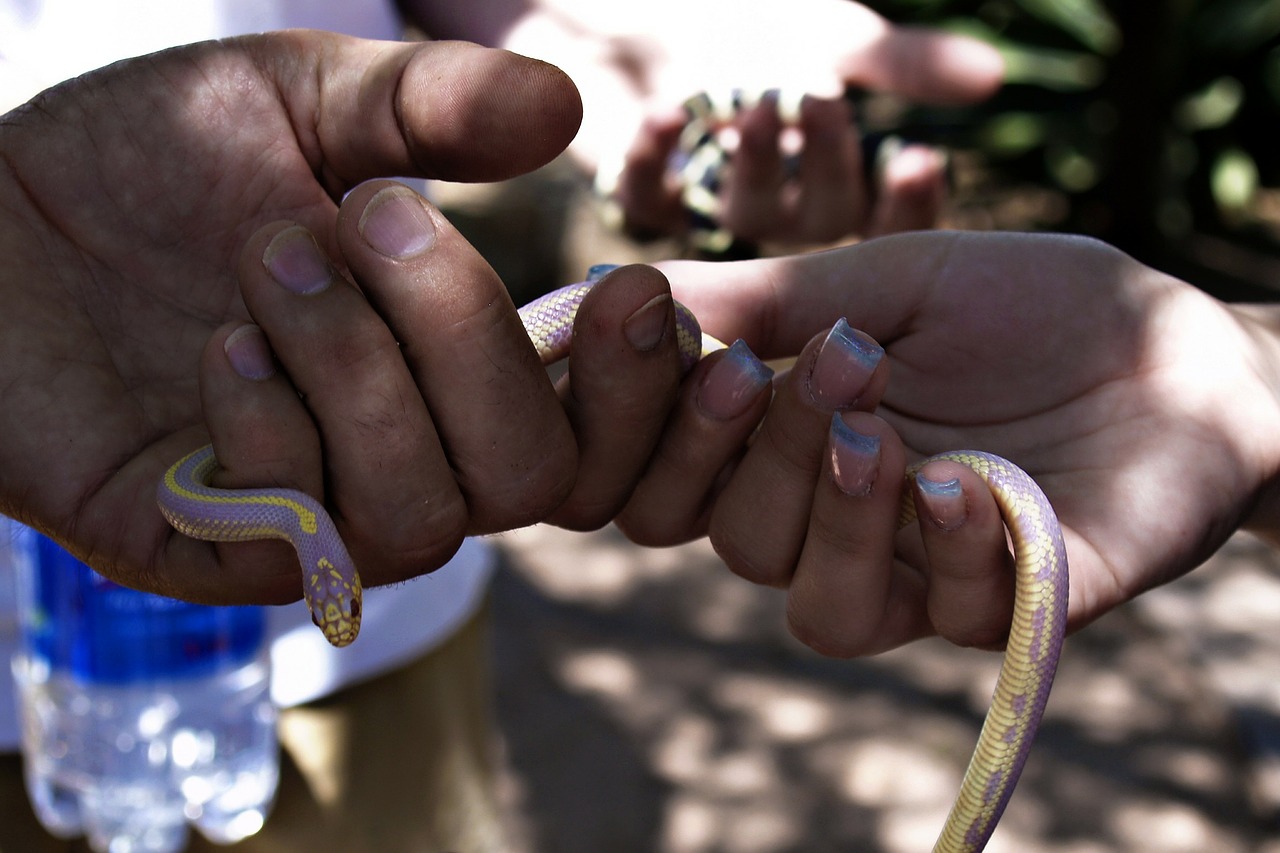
column 1259, row 435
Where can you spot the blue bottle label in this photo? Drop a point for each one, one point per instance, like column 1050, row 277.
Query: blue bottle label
column 101, row 632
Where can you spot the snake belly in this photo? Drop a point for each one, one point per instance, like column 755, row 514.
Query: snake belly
column 331, row 584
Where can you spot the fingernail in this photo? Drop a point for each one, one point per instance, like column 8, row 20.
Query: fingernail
column 294, row 260
column 396, row 223
column 843, row 367
column 733, row 382
column 766, row 101
column 944, row 501
column 647, row 326
column 855, row 458
column 249, row 354
column 790, row 102
column 598, row 271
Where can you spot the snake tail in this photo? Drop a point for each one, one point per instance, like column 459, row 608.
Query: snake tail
column 1031, row 653
column 331, row 585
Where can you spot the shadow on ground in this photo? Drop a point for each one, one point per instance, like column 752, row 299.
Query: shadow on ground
column 650, row 701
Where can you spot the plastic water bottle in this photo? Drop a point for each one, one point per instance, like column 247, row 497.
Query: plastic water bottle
column 141, row 715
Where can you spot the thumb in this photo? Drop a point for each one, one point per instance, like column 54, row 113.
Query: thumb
column 776, row 304
column 447, row 110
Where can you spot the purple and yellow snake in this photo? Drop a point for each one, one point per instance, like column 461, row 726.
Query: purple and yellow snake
column 331, row 584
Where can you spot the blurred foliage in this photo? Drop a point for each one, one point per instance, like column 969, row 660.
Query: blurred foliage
column 1158, row 123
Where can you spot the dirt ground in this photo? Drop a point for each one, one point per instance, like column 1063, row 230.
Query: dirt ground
column 650, row 701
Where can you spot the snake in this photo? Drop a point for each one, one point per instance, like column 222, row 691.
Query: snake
column 700, row 162
column 331, row 583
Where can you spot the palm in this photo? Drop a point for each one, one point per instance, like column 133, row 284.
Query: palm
column 1088, row 379
column 121, row 263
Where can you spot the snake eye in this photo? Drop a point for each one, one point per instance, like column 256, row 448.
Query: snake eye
column 355, row 608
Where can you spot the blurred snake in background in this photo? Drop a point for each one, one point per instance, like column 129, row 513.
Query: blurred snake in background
column 701, row 158
column 331, row 584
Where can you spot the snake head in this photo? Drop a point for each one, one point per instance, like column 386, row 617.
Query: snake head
column 334, row 599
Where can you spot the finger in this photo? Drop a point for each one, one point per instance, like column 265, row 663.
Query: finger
column 385, row 475
column 624, row 377
column 912, row 190
column 432, row 109
column 505, row 434
column 759, row 521
column 833, row 192
column 263, row 437
column 648, row 195
column 720, row 406
column 849, row 597
column 971, row 570
column 753, row 205
column 925, row 65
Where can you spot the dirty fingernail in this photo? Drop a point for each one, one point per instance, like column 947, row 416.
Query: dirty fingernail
column 249, row 353
column 294, row 260
column 396, row 223
column 647, row 326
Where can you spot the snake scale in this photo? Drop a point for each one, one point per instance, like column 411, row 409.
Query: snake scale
column 332, row 585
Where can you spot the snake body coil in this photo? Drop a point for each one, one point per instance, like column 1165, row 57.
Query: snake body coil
column 331, row 584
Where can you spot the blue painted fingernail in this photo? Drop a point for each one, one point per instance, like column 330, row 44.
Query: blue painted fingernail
column 249, row 353
column 396, row 223
column 733, row 382
column 944, row 501
column 294, row 260
column 945, row 489
column 855, row 458
column 598, row 271
column 843, row 367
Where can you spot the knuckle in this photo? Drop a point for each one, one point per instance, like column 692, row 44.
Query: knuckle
column 651, row 530
column 839, row 638
column 743, row 562
column 963, row 631
column 522, row 492
column 791, row 441
column 587, row 513
column 823, row 638
column 422, row 545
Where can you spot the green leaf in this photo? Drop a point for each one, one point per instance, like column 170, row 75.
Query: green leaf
column 1234, row 179
column 1235, row 26
column 1085, row 20
column 1213, row 106
column 1059, row 70
column 1012, row 133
